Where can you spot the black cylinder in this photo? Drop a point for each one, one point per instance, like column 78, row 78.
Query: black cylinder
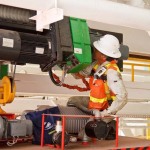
column 16, row 14
column 57, row 137
column 10, row 45
column 35, row 49
column 24, row 47
column 96, row 129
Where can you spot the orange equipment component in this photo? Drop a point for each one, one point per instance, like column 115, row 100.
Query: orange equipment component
column 9, row 116
column 7, row 90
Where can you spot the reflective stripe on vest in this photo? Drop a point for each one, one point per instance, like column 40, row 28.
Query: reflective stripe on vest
column 100, row 106
column 98, row 100
column 110, row 94
column 95, row 67
column 112, row 65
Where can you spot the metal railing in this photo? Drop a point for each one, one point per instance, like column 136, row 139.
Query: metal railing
column 64, row 117
column 135, row 123
column 133, row 68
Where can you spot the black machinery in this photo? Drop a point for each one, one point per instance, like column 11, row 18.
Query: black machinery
column 68, row 44
column 61, row 45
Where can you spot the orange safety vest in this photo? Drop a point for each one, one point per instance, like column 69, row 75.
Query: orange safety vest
column 100, row 93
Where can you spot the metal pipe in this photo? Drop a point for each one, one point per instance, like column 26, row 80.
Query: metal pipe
column 148, row 129
column 96, row 10
column 42, row 131
column 136, row 64
column 63, row 133
column 117, row 131
column 16, row 14
column 132, row 70
column 107, row 12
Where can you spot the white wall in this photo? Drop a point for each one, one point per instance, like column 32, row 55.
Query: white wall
column 42, row 85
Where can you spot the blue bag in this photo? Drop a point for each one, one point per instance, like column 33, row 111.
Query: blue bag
column 49, row 124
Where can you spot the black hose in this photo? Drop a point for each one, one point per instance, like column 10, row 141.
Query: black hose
column 51, row 74
column 52, row 78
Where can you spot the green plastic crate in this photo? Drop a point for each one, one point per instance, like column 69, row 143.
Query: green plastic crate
column 81, row 44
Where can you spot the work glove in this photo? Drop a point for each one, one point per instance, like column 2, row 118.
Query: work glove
column 96, row 113
column 105, row 113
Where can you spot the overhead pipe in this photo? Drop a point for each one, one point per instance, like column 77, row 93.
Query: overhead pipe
column 107, row 12
column 136, row 3
column 104, row 11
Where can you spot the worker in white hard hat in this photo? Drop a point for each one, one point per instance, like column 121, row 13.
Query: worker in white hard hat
column 107, row 91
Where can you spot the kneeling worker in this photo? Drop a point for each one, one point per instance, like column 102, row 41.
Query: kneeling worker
column 107, row 91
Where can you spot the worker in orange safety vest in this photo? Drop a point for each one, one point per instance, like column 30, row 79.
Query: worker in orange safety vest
column 100, row 94
column 107, row 91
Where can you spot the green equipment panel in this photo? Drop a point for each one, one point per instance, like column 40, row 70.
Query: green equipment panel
column 3, row 71
column 82, row 56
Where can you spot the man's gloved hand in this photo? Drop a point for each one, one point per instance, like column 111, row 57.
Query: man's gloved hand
column 105, row 113
column 96, row 113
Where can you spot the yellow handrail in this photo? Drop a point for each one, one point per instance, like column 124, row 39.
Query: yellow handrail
column 138, row 59
column 132, row 68
column 132, row 71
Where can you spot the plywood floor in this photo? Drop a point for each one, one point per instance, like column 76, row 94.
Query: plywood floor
column 124, row 142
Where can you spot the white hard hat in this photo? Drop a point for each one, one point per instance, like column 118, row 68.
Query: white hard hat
column 108, row 45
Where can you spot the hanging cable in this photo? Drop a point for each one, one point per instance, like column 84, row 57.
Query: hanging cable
column 81, row 89
column 55, row 79
column 12, row 79
column 14, row 141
